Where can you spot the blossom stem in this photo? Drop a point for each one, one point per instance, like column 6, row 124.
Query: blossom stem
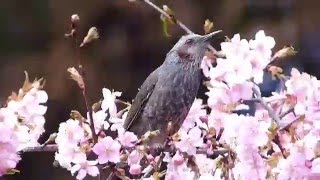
column 271, row 113
column 122, row 102
column 41, row 148
column 178, row 22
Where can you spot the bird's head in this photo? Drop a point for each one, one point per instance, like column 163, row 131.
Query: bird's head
column 190, row 48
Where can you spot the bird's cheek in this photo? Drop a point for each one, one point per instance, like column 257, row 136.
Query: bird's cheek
column 184, row 54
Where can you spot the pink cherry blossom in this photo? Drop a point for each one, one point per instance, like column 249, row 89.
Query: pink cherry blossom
column 239, row 71
column 294, row 166
column 206, row 65
column 177, row 159
column 8, row 157
column 108, row 102
column 263, row 44
column 178, row 170
column 236, row 47
column 250, row 164
column 227, row 99
column 128, row 139
column 190, row 141
column 70, row 132
column 108, row 150
column 134, row 157
column 194, row 116
column 21, row 124
column 100, row 121
column 205, row 164
column 117, row 124
column 301, row 86
column 87, row 167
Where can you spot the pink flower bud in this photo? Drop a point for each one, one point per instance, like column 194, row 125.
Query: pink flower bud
column 209, row 142
column 135, row 169
column 75, row 18
column 177, row 159
column 156, row 159
column 102, row 134
column 150, row 158
column 308, row 163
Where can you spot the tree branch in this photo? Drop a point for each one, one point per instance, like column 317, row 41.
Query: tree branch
column 41, row 148
column 215, row 153
column 179, row 23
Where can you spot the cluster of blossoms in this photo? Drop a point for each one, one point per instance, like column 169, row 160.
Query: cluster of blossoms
column 280, row 140
column 21, row 123
column 282, row 143
column 233, row 81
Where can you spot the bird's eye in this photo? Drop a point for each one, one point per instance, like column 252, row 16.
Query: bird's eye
column 189, row 41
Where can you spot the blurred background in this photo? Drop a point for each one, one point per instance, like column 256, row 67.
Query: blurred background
column 131, row 45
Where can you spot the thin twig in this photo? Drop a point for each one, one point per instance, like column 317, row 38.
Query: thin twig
column 122, row 102
column 285, row 113
column 84, row 94
column 110, row 176
column 179, row 23
column 219, row 134
column 41, row 148
column 271, row 113
column 94, row 135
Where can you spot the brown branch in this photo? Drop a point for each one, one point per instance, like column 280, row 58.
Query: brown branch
column 179, row 23
column 271, row 113
column 215, row 153
column 41, row 148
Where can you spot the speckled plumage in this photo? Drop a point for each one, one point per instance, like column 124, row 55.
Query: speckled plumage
column 168, row 92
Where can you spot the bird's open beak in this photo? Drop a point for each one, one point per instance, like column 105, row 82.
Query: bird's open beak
column 210, row 35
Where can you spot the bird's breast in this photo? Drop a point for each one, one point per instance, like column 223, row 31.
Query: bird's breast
column 172, row 98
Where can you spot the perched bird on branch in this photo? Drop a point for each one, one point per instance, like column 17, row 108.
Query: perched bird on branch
column 168, row 92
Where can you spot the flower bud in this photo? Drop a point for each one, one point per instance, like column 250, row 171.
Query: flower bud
column 284, row 52
column 135, row 169
column 150, row 158
column 76, row 77
column 208, row 25
column 75, row 18
column 92, row 35
column 177, row 159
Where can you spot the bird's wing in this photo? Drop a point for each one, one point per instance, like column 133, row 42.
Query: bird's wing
column 140, row 100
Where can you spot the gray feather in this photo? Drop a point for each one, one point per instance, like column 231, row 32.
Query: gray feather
column 141, row 99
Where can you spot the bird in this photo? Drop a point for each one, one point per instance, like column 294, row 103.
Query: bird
column 168, row 93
